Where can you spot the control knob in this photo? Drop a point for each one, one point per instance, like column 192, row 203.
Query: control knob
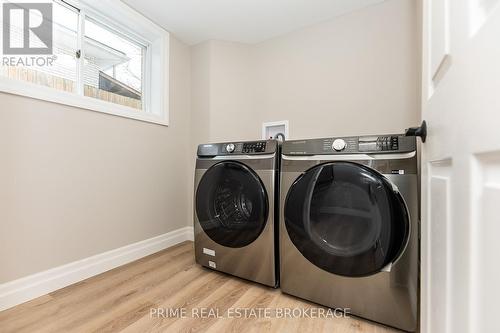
column 230, row 148
column 339, row 144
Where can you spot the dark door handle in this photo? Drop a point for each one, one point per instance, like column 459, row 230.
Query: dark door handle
column 420, row 131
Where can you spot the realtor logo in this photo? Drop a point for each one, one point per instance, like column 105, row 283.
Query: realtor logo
column 27, row 28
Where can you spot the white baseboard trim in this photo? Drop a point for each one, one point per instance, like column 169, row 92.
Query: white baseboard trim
column 27, row 288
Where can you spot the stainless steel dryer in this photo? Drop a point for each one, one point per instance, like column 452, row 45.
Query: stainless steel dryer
column 235, row 220
column 349, row 225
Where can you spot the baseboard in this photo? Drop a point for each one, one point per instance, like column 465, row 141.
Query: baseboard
column 27, row 288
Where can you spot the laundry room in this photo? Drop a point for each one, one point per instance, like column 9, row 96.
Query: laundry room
column 223, row 166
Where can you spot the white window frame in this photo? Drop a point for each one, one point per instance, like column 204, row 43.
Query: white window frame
column 155, row 83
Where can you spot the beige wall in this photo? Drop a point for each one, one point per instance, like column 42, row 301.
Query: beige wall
column 232, row 91
column 200, row 112
column 75, row 183
column 356, row 74
column 223, row 84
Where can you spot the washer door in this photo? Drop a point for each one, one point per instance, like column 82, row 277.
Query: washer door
column 231, row 204
column 346, row 219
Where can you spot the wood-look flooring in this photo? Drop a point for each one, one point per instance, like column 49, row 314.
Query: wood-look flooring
column 121, row 300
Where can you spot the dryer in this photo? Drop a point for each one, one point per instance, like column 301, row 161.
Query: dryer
column 349, row 225
column 235, row 221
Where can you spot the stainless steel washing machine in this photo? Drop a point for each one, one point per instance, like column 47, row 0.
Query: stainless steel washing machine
column 235, row 221
column 349, row 225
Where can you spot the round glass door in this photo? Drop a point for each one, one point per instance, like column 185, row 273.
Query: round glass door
column 346, row 219
column 231, row 204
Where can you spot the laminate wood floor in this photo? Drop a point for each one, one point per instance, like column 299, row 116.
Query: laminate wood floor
column 122, row 300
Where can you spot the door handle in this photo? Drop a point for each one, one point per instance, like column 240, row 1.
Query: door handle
column 420, row 131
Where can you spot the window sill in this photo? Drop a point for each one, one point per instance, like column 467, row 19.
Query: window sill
column 35, row 91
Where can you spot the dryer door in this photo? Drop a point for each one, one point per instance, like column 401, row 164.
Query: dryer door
column 231, row 204
column 346, row 219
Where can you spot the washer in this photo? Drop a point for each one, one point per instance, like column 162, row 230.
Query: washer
column 235, row 221
column 350, row 225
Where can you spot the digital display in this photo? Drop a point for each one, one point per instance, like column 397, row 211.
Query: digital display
column 381, row 143
column 368, row 146
column 254, row 147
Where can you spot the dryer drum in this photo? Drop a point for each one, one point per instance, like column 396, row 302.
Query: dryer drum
column 346, row 218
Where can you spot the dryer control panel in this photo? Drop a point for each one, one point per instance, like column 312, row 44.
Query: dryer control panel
column 238, row 148
column 351, row 145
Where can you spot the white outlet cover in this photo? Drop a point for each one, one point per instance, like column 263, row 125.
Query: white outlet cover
column 270, row 129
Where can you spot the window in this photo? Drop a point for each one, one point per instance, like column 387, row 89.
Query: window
column 62, row 72
column 112, row 65
column 97, row 61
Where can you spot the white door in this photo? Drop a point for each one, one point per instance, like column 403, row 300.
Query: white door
column 460, row 280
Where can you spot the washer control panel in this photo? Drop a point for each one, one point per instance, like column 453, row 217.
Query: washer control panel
column 254, row 147
column 350, row 145
column 238, row 148
column 378, row 143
